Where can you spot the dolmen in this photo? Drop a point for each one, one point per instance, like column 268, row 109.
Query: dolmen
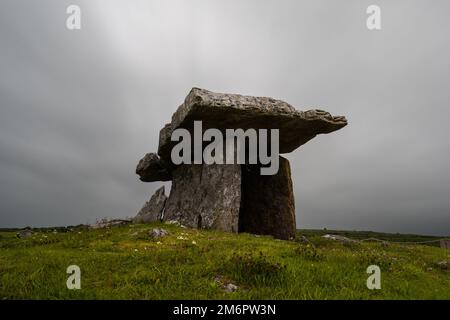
column 225, row 195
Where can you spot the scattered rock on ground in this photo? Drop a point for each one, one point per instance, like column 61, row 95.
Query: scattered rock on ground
column 108, row 223
column 227, row 286
column 158, row 233
column 230, row 287
column 174, row 222
column 304, row 239
column 444, row 264
column 25, row 233
column 338, row 238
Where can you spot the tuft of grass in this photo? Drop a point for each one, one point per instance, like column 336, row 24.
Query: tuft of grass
column 249, row 268
column 309, row 252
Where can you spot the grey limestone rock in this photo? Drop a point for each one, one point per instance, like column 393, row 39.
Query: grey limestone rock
column 233, row 111
column 153, row 209
column 205, row 196
column 151, row 168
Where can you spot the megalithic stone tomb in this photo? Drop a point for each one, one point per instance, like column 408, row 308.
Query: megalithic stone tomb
column 232, row 197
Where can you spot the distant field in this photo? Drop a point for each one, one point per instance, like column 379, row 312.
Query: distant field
column 125, row 263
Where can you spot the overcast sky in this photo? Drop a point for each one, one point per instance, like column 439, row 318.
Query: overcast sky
column 78, row 109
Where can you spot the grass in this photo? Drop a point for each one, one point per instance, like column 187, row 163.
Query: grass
column 125, row 263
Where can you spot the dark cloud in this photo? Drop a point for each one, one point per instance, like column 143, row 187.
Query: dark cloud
column 79, row 108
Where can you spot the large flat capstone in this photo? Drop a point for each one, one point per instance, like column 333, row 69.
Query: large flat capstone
column 234, row 111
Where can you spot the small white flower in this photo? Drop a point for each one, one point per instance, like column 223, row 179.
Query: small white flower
column 193, row 242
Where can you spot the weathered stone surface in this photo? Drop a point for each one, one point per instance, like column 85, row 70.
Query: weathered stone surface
column 205, row 196
column 267, row 205
column 232, row 111
column 152, row 210
column 151, row 168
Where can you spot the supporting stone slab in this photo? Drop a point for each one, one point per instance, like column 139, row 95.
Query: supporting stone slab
column 205, row 196
column 267, row 205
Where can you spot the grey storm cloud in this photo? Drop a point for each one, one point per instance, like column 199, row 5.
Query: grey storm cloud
column 78, row 109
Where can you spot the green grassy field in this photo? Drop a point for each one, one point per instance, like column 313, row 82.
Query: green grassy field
column 125, row 263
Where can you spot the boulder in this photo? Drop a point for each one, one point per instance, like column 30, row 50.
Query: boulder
column 25, row 233
column 153, row 209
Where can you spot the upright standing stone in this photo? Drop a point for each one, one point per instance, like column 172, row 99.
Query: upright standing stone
column 205, row 196
column 268, row 205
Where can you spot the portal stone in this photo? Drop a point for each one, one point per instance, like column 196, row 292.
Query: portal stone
column 205, row 196
column 267, row 204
